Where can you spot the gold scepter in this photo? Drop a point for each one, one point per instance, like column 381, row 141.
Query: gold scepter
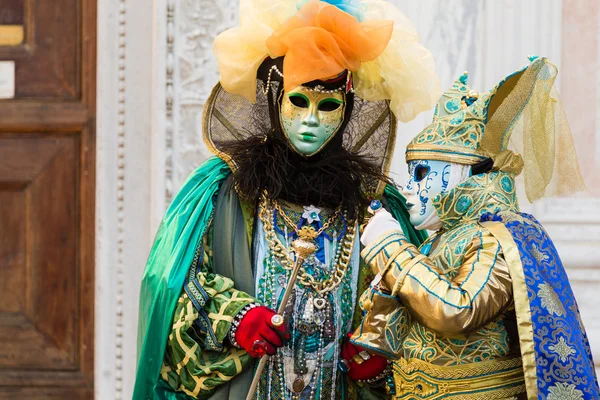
column 303, row 249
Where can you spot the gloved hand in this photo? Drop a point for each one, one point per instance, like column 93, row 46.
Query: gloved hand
column 367, row 369
column 256, row 325
column 382, row 222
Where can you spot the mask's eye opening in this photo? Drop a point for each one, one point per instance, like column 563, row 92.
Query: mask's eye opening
column 421, row 171
column 299, row 100
column 329, row 105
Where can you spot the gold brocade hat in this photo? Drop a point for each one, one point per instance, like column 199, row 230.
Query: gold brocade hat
column 457, row 129
column 519, row 124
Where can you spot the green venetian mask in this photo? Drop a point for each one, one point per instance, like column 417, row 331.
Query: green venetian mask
column 310, row 118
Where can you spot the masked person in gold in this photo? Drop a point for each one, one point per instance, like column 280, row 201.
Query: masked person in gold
column 483, row 309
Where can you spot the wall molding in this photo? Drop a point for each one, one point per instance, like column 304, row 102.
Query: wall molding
column 124, row 182
column 120, row 198
column 195, row 25
column 170, row 99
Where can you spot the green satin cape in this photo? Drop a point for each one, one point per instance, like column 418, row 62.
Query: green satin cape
column 182, row 228
column 178, row 235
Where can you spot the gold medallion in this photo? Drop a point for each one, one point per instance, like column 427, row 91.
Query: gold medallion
column 308, row 233
column 298, row 385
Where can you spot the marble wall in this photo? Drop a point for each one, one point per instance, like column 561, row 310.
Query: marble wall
column 156, row 70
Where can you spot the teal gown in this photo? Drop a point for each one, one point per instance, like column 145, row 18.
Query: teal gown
column 199, row 274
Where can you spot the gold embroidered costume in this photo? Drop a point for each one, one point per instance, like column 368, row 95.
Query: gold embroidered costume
column 483, row 309
column 457, row 310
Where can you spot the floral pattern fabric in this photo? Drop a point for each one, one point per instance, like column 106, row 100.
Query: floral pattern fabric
column 564, row 364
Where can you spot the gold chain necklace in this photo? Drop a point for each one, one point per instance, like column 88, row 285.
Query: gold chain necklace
column 306, row 232
column 286, row 261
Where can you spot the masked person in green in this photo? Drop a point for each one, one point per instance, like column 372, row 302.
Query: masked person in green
column 303, row 126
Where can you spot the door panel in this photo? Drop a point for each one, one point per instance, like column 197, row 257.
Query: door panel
column 38, row 266
column 47, row 182
column 47, row 61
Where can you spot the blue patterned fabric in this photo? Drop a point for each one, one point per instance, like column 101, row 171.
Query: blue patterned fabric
column 565, row 368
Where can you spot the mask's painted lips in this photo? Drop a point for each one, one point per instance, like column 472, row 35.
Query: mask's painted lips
column 308, row 136
column 409, row 205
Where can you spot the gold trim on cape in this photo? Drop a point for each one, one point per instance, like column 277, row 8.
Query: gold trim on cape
column 522, row 306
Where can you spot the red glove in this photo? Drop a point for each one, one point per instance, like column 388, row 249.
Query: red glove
column 255, row 326
column 367, row 369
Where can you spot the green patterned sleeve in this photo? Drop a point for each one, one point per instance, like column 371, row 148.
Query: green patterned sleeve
column 198, row 357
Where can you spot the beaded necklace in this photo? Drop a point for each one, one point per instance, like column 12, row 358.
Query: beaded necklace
column 318, row 314
column 286, row 260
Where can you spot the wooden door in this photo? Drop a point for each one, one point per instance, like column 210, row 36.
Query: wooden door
column 47, row 156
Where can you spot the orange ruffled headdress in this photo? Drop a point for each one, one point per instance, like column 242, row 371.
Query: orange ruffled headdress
column 320, row 41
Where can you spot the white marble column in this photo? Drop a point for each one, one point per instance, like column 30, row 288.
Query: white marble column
column 124, row 204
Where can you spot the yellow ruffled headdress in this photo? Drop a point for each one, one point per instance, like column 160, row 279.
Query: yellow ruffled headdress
column 321, row 40
column 520, row 125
